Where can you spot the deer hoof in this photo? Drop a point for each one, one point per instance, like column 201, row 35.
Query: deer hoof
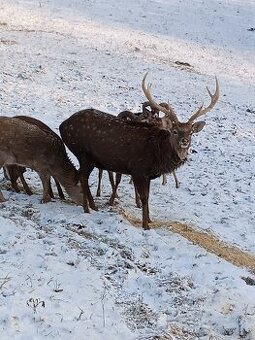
column 86, row 210
column 91, row 204
column 177, row 185
column 139, row 205
column 111, row 202
column 16, row 190
column 46, row 199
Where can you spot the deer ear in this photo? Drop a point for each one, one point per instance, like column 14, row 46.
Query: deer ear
column 197, row 127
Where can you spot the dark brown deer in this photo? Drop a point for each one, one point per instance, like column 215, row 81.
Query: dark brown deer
column 13, row 172
column 143, row 116
column 138, row 149
column 149, row 115
column 146, row 115
column 31, row 146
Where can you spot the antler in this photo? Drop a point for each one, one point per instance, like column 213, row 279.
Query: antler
column 214, row 98
column 169, row 112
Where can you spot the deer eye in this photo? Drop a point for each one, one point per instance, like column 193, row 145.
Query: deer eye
column 175, row 132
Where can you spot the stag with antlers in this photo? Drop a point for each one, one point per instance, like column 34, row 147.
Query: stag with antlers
column 138, row 149
column 149, row 115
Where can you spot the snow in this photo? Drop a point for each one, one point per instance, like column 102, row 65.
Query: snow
column 99, row 276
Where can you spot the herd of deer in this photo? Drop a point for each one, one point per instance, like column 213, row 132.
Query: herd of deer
column 142, row 145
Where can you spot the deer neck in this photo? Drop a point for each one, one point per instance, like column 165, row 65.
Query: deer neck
column 167, row 159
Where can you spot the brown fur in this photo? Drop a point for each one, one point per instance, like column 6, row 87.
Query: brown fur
column 148, row 115
column 16, row 172
column 138, row 149
column 31, row 146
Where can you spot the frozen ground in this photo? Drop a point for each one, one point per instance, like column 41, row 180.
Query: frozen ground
column 64, row 274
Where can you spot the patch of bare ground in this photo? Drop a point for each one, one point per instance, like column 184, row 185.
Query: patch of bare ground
column 206, row 240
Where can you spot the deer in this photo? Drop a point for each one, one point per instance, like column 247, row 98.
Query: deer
column 13, row 172
column 145, row 115
column 150, row 116
column 141, row 150
column 35, row 147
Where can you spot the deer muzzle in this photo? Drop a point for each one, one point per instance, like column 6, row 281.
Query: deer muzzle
column 184, row 143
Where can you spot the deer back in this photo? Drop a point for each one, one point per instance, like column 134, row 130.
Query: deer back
column 119, row 145
column 39, row 123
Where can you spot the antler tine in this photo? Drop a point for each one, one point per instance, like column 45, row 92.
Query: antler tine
column 147, row 91
column 214, row 98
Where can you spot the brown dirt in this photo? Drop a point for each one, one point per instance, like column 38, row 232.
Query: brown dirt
column 206, row 240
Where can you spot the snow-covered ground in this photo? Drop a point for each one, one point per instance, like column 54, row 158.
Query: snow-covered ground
column 69, row 275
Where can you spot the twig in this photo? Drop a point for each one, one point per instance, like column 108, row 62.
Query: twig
column 29, row 280
column 80, row 315
column 56, row 285
column 241, row 324
column 103, row 305
column 5, row 280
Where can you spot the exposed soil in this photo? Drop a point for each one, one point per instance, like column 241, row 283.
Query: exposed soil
column 206, row 240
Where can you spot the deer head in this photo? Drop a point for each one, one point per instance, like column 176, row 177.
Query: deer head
column 181, row 132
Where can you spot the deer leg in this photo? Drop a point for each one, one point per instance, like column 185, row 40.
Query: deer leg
column 11, row 172
column 111, row 179
column 164, row 181
column 143, row 187
column 85, row 194
column 85, row 170
column 45, row 178
column 60, row 191
column 115, row 187
column 25, row 186
column 90, row 197
column 6, row 173
column 14, row 184
column 177, row 183
column 100, row 174
column 137, row 199
column 2, row 199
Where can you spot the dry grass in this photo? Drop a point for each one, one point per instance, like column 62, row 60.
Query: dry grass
column 206, row 240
